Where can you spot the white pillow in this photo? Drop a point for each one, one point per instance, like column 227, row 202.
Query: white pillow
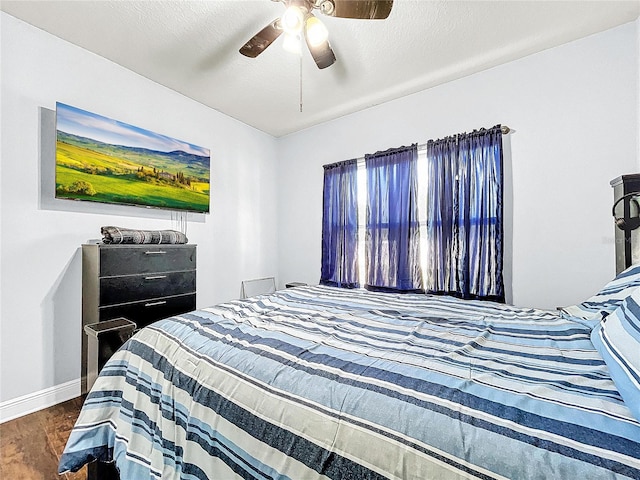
column 609, row 298
column 617, row 338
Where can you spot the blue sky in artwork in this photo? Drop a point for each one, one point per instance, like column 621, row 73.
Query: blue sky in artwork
column 90, row 125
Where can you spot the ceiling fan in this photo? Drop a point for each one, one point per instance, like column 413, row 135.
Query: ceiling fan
column 298, row 20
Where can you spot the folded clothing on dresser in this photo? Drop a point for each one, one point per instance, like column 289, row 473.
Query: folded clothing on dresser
column 115, row 235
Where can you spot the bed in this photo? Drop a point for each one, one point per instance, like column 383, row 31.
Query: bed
column 316, row 382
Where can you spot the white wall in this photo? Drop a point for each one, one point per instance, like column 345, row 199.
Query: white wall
column 40, row 267
column 574, row 109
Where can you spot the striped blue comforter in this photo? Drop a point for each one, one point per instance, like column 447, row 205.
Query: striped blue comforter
column 319, row 382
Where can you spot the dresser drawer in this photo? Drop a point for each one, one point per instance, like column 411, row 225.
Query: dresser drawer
column 146, row 312
column 128, row 260
column 129, row 288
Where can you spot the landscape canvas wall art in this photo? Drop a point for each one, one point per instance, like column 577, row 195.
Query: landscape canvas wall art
column 103, row 160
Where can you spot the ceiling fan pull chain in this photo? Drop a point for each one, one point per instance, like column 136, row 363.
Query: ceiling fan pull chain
column 300, row 81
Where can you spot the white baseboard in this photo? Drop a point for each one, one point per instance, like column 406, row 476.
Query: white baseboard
column 38, row 400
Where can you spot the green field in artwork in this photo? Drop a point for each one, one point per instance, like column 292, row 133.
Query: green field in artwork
column 100, row 172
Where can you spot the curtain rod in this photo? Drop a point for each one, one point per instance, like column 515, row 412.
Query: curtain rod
column 505, row 130
column 422, row 146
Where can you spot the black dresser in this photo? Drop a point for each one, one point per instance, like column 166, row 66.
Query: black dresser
column 142, row 283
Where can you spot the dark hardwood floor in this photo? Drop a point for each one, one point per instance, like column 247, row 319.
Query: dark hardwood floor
column 30, row 446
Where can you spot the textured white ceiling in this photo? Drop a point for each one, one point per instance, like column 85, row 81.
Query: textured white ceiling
column 192, row 47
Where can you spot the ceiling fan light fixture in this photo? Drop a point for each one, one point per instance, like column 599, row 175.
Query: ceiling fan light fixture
column 292, row 20
column 315, row 32
column 291, row 43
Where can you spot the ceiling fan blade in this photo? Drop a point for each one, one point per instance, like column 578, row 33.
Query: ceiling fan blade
column 322, row 54
column 362, row 9
column 262, row 39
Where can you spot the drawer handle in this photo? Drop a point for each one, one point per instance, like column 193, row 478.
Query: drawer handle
column 155, row 252
column 153, row 304
column 155, row 277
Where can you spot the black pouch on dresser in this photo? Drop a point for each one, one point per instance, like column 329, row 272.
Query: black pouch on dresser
column 142, row 283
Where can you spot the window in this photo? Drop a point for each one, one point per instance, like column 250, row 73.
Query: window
column 425, row 218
